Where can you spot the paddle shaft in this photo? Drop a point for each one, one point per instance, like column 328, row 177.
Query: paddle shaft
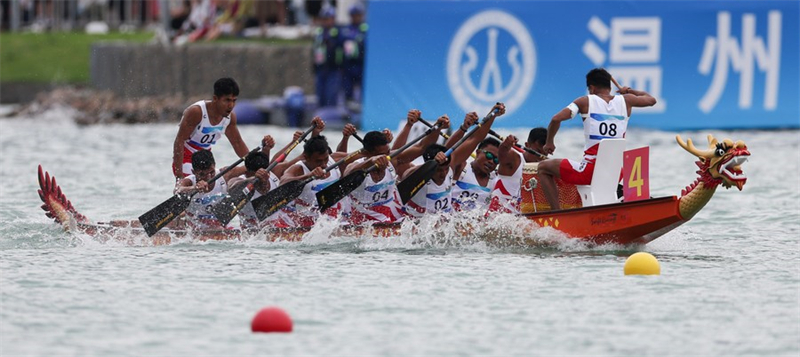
column 407, row 145
column 469, row 133
column 288, row 150
column 519, row 147
column 445, row 136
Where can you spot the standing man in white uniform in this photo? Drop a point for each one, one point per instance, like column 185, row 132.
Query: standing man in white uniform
column 605, row 116
column 203, row 123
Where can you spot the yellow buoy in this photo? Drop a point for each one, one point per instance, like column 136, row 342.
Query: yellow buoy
column 642, row 264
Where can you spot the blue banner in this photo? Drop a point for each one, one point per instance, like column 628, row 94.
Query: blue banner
column 710, row 64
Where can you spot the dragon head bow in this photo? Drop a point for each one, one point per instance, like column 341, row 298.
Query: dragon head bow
column 721, row 162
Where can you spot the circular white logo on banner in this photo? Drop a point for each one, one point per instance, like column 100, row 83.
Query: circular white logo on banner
column 492, row 58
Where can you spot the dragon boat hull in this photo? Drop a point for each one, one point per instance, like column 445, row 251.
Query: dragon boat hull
column 625, row 223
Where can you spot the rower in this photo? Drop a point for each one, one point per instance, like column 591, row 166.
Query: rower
column 255, row 166
column 303, row 212
column 506, row 195
column 475, row 180
column 198, row 215
column 376, row 200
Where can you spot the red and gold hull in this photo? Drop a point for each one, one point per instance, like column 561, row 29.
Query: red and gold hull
column 621, row 223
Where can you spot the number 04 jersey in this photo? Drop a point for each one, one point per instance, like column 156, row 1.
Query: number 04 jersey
column 604, row 121
column 376, row 201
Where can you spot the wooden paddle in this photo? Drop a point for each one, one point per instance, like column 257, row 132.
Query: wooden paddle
column 328, row 196
column 274, row 200
column 417, row 179
column 239, row 195
column 158, row 217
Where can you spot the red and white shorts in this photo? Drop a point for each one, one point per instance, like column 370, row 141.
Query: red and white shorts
column 577, row 173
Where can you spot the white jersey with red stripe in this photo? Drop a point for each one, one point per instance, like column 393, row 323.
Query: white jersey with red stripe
column 247, row 215
column 303, row 211
column 205, row 135
column 468, row 194
column 432, row 198
column 604, row 121
column 198, row 213
column 376, row 201
column 506, row 194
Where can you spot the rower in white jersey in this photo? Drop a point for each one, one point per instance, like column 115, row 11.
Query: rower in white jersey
column 605, row 116
column 404, row 164
column 303, row 211
column 507, row 192
column 255, row 165
column 376, row 199
column 198, row 213
column 474, row 180
column 203, row 123
column 434, row 197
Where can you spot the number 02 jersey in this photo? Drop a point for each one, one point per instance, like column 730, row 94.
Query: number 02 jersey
column 604, row 121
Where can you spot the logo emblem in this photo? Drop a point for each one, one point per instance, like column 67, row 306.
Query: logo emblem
column 492, row 58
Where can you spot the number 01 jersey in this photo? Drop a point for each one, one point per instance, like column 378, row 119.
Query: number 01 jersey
column 604, row 121
column 205, row 135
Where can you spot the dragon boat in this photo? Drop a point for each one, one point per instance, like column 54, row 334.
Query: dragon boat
column 592, row 213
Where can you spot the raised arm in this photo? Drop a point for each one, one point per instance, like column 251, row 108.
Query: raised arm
column 509, row 159
column 469, row 121
column 411, row 118
column 347, row 132
column 636, row 98
column 460, row 154
column 403, row 160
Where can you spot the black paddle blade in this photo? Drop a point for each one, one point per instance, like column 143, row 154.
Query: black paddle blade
column 274, row 200
column 238, row 196
column 340, row 189
column 158, row 217
column 417, row 180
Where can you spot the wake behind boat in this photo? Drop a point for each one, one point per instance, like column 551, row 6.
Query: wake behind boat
column 590, row 219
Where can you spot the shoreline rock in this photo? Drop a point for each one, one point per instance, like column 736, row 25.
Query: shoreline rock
column 104, row 107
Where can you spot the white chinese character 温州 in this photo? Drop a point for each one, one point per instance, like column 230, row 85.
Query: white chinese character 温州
column 634, row 53
column 725, row 49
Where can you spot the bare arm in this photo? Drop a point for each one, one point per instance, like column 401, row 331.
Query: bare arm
column 232, row 132
column 555, row 123
column 280, row 168
column 509, row 160
column 411, row 118
column 191, row 118
column 460, row 154
column 403, row 160
column 292, row 174
column 636, row 98
column 347, row 131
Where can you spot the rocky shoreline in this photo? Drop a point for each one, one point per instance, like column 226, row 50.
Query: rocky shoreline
column 104, row 107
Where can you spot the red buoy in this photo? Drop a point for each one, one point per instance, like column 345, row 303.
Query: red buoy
column 271, row 319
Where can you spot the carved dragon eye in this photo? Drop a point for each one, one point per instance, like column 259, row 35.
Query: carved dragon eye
column 720, row 150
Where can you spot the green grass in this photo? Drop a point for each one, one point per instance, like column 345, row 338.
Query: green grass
column 60, row 57
column 63, row 57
